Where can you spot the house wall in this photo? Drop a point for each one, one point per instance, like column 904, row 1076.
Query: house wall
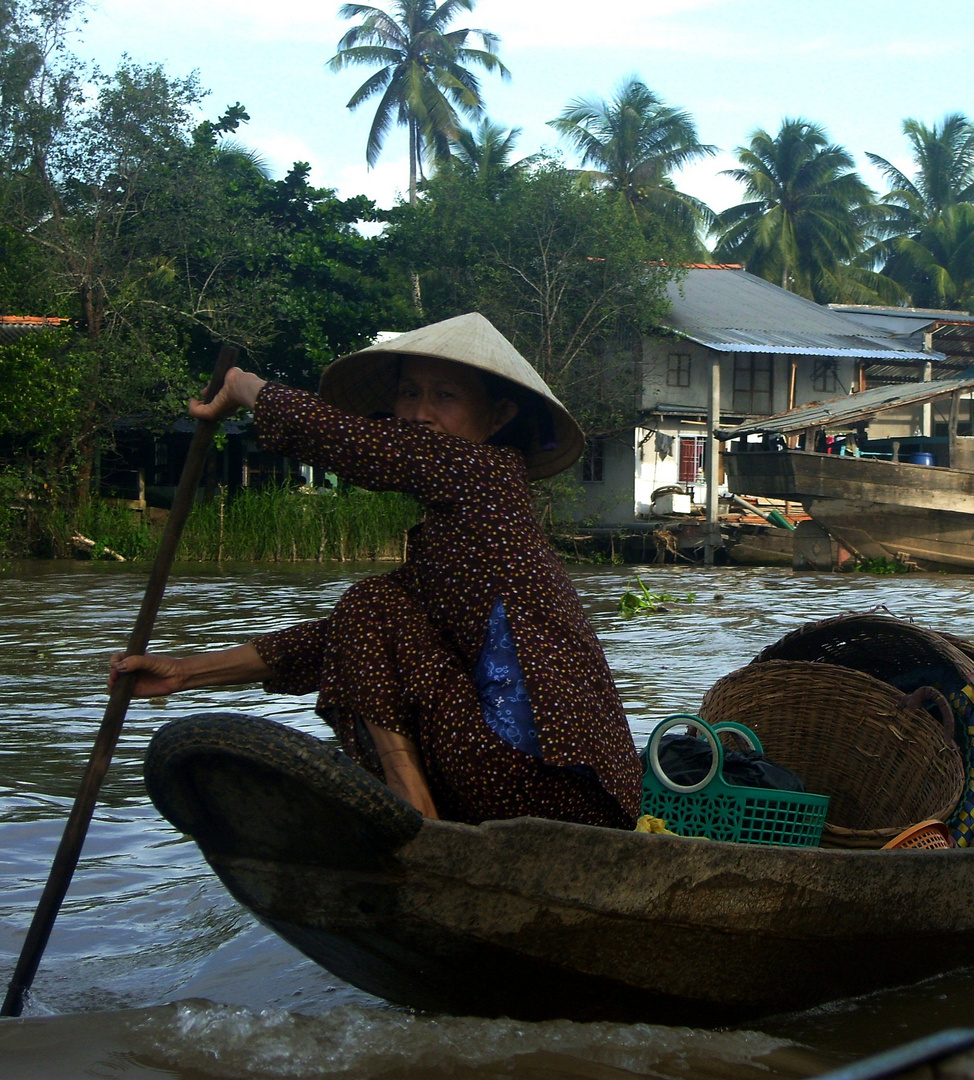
column 608, row 501
column 816, row 378
column 677, row 391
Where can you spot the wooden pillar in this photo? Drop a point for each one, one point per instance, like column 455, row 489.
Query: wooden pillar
column 926, row 426
column 712, row 542
column 952, row 461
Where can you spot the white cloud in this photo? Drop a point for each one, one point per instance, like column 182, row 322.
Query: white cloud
column 220, row 20
column 384, row 184
column 549, row 24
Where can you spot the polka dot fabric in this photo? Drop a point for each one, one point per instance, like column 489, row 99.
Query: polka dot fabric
column 400, row 649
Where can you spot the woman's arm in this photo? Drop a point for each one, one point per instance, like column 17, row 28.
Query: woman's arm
column 403, row 769
column 159, row 675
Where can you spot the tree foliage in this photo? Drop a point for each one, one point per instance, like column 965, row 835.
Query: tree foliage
column 634, row 142
column 928, row 242
column 158, row 236
column 485, row 153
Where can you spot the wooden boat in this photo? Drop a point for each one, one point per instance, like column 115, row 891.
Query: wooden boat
column 874, row 508
column 908, row 500
column 539, row 919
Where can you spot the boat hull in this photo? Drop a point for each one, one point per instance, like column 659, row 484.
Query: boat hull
column 538, row 919
column 874, row 509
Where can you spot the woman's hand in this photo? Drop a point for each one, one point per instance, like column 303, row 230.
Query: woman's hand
column 156, row 675
column 239, row 391
column 159, row 675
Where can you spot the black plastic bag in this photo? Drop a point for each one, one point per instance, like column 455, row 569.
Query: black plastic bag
column 686, row 760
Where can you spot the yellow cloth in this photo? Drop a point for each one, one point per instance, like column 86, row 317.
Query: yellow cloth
column 653, row 825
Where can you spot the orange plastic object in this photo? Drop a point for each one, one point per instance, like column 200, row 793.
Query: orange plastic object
column 928, row 834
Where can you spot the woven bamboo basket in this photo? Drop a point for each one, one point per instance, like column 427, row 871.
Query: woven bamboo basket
column 880, row 645
column 882, row 758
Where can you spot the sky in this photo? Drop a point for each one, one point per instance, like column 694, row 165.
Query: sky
column 856, row 67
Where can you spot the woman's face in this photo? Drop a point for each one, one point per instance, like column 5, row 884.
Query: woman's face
column 450, row 398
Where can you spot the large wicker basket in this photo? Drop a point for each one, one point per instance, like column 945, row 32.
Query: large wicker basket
column 883, row 646
column 908, row 657
column 882, row 758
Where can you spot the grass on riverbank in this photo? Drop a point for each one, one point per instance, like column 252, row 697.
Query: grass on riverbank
column 252, row 525
column 282, row 525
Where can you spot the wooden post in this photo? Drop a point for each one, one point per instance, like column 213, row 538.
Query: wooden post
column 952, row 461
column 713, row 542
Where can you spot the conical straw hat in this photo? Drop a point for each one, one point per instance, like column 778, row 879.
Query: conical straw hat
column 364, row 382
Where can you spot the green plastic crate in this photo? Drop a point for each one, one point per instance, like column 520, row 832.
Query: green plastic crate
column 722, row 811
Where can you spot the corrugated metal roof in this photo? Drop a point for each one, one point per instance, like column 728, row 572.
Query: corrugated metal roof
column 901, row 322
column 851, row 408
column 14, row 327
column 730, row 310
column 956, row 338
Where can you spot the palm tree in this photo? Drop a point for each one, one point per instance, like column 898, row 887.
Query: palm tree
column 422, row 78
column 634, row 142
column 807, row 219
column 937, row 264
column 928, row 233
column 486, row 154
column 944, row 159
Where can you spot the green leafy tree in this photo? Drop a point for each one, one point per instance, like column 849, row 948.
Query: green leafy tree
column 808, row 220
column 633, row 142
column 333, row 295
column 944, row 159
column 423, row 79
column 936, row 265
column 43, row 393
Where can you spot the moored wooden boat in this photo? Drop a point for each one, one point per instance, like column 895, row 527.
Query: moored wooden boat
column 540, row 919
column 874, row 508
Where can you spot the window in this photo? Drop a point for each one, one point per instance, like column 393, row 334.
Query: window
column 592, row 461
column 752, row 384
column 678, row 369
column 691, row 457
column 825, row 376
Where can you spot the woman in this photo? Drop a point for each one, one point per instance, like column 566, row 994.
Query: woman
column 469, row 678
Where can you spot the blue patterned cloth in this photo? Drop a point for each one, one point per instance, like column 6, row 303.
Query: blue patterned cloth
column 503, row 695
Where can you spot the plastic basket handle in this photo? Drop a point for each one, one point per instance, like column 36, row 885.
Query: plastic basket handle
column 740, row 730
column 680, row 720
column 927, row 695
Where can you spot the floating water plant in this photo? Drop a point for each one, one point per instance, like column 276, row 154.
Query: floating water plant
column 883, row 565
column 640, row 601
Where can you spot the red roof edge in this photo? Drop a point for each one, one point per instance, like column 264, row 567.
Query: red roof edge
column 32, row 320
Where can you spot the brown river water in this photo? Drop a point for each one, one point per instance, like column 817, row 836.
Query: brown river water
column 154, row 971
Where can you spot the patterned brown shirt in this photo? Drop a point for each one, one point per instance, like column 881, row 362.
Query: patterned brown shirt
column 480, row 540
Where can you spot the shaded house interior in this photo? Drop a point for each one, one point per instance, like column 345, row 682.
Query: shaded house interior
column 143, row 469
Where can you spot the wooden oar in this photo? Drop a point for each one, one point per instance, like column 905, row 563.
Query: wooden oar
column 69, row 850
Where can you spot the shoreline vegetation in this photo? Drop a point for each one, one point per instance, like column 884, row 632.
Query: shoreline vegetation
column 271, row 524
